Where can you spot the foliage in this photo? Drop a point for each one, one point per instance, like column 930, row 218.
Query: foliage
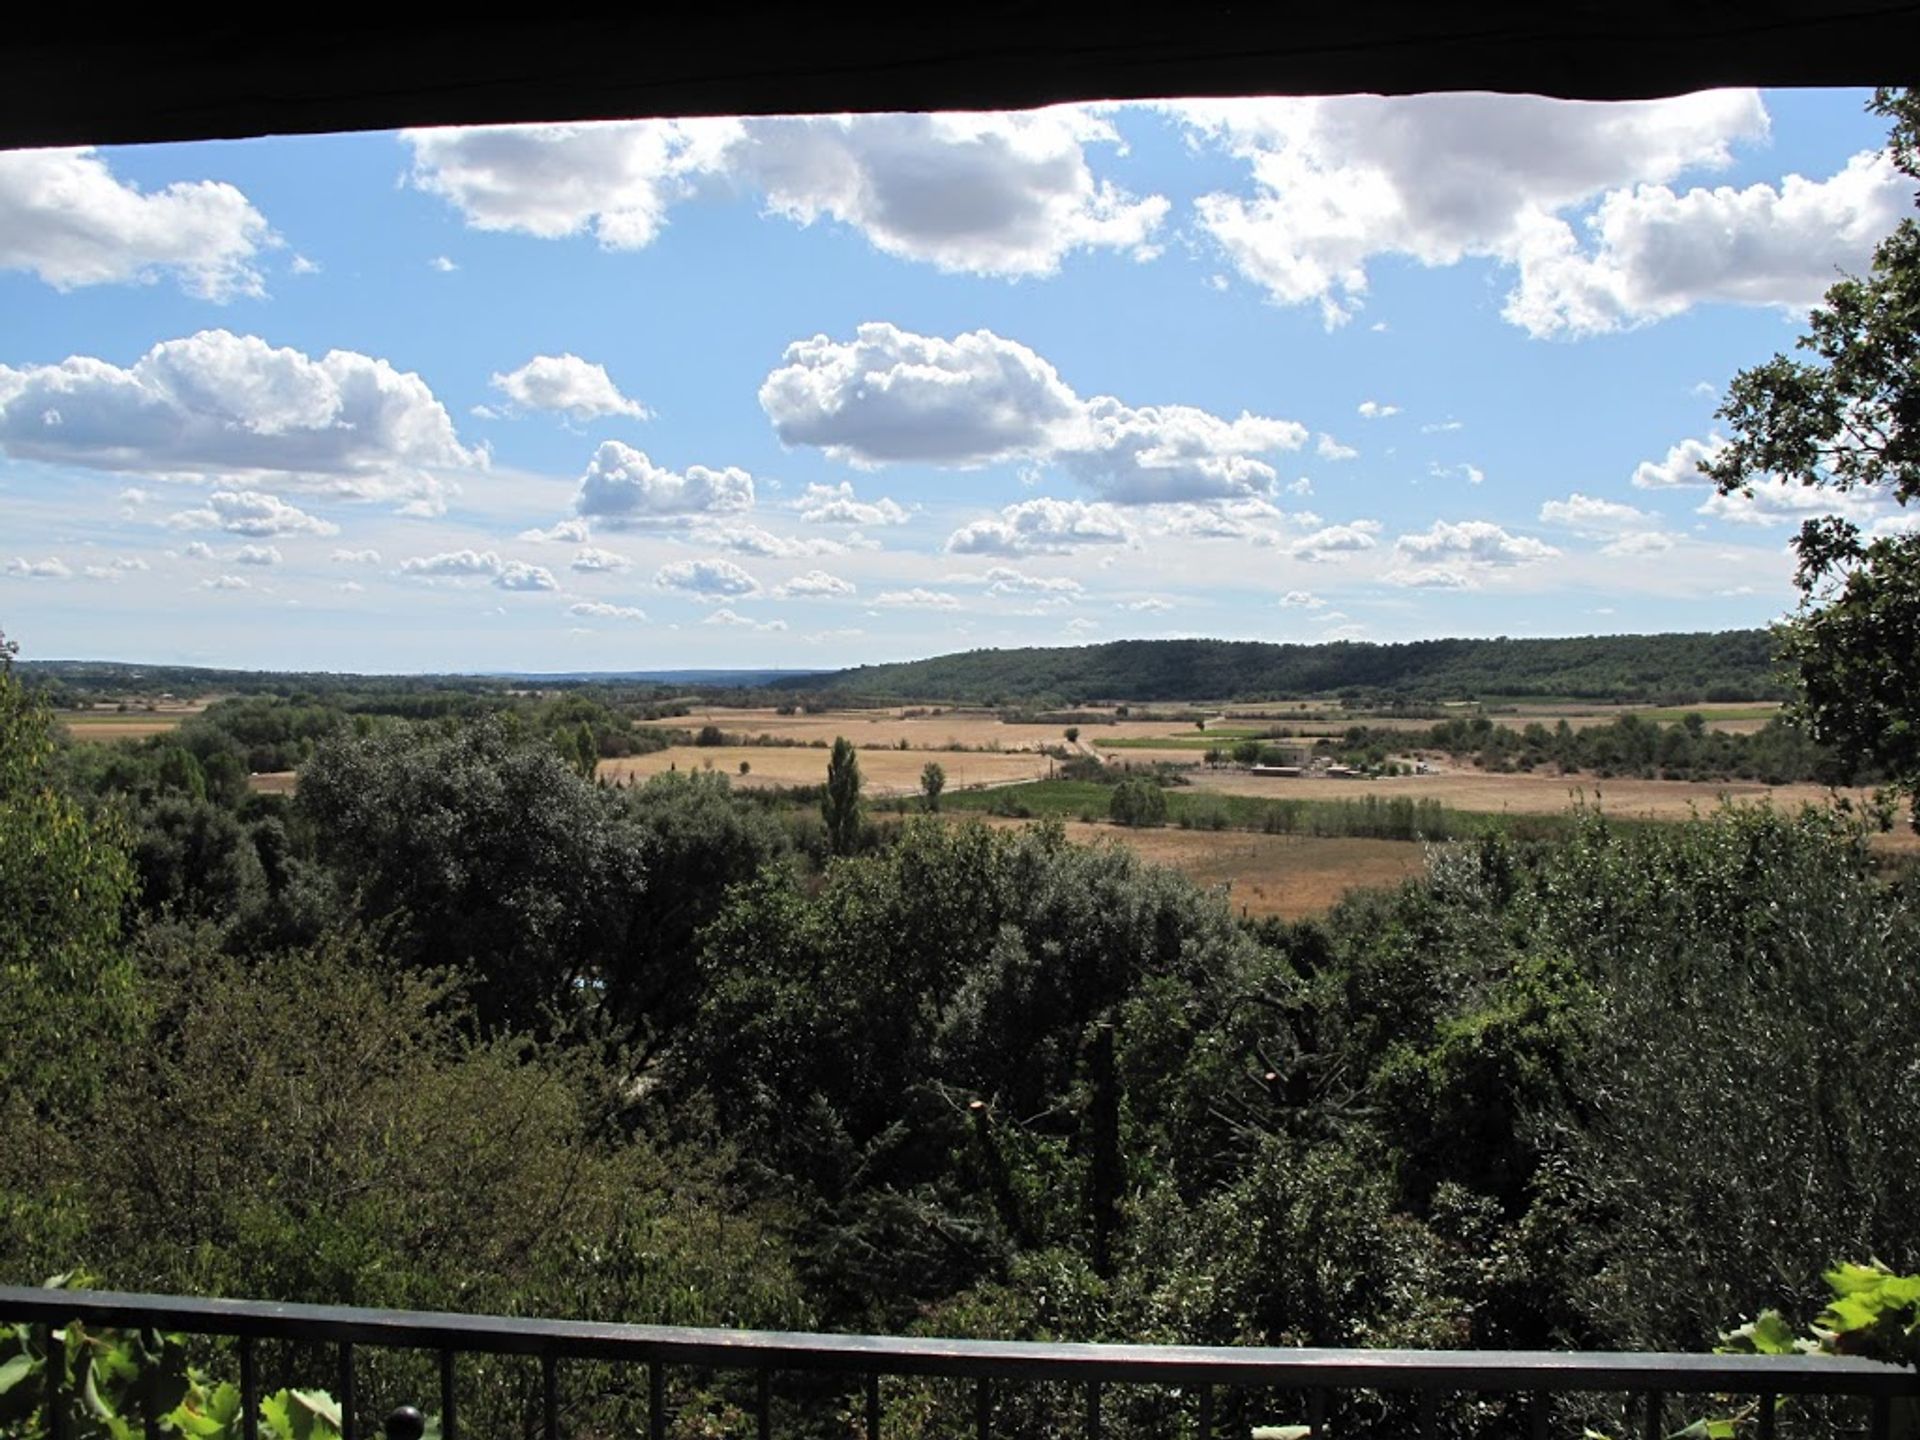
column 933, row 779
column 1137, row 802
column 840, row 806
column 1845, row 419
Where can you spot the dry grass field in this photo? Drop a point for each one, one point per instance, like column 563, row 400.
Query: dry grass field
column 973, row 729
column 883, row 772
column 104, row 725
column 1537, row 794
column 1290, row 876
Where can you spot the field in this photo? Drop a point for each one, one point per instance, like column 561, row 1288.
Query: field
column 883, row 772
column 104, row 725
column 929, row 730
column 1283, row 875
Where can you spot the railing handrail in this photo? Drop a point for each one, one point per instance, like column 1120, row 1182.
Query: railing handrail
column 1481, row 1371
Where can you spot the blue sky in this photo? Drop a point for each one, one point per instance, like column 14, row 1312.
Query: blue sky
column 817, row 392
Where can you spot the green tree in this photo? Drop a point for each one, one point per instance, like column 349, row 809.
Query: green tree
column 1848, row 417
column 66, row 989
column 1073, row 734
column 933, row 779
column 1138, row 802
column 840, row 806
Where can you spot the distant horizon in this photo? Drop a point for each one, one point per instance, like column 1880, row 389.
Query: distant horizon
column 784, row 392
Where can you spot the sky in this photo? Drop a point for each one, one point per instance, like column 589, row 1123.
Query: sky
column 813, row 392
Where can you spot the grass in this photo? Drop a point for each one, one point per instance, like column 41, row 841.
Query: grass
column 1709, row 712
column 1367, row 816
column 1225, row 737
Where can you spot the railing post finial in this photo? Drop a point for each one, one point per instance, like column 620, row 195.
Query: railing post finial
column 406, row 1423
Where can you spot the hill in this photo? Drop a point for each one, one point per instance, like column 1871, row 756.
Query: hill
column 1680, row 668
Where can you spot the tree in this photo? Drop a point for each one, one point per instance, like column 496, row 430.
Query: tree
column 1846, row 419
column 1138, row 802
column 1073, row 734
column 933, row 779
column 840, row 807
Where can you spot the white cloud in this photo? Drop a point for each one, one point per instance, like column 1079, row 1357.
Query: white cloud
column 1778, row 501
column 68, row 219
column 231, row 407
column 51, row 568
column 838, row 505
column 1589, row 515
column 1042, row 527
column 1150, row 605
column 1251, row 520
column 623, row 488
column 569, row 532
column 1450, row 555
column 1640, row 542
column 706, row 577
column 226, row 582
column 992, row 194
column 752, row 540
column 1374, row 410
column 356, row 557
column 917, row 599
column 890, row 395
column 257, row 555
column 251, row 512
column 1328, row 448
column 443, row 264
column 1472, row 474
column 734, row 618
column 1657, row 254
column 1301, row 600
column 1440, row 427
column 594, row 560
column 1081, row 625
column 487, row 564
column 601, row 610
column 199, row 550
column 1004, row 580
column 815, row 584
column 569, row 385
column 1334, row 540
column 1679, row 466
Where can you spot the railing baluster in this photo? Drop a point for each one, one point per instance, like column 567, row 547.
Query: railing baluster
column 1206, row 1412
column 873, row 1406
column 1766, row 1417
column 347, row 1430
column 449, row 1401
column 1652, row 1426
column 763, row 1403
column 56, row 1375
column 657, row 1400
column 1882, row 1418
column 1317, row 1413
column 1093, row 1410
column 249, row 1392
column 550, row 1395
column 982, row 1409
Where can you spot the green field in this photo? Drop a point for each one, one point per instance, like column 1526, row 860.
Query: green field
column 1671, row 713
column 1221, row 737
column 1367, row 816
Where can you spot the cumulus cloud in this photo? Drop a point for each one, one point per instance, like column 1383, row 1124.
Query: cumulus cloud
column 1778, row 501
column 1150, row 605
column 622, row 488
column 594, row 560
column 1656, row 253
column 1679, row 466
column 251, row 512
column 356, row 557
column 1328, row 448
column 231, row 407
column 1450, row 555
column 51, row 568
column 257, row 555
column 706, row 577
column 1301, row 600
column 480, row 564
column 66, row 217
column 1374, row 410
column 1339, row 183
column 226, row 582
column 734, row 618
column 889, row 395
column 570, row 532
column 991, row 194
column 838, row 505
column 601, row 610
column 1004, row 580
column 815, row 584
column 1332, row 541
column 1589, row 515
column 569, row 386
column 1640, row 542
column 917, row 599
column 752, row 540
column 199, row 550
column 1042, row 527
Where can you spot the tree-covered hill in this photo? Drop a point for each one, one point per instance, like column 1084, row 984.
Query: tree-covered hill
column 1729, row 665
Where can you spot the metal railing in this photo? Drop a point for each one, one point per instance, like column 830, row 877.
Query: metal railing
column 1319, row 1374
